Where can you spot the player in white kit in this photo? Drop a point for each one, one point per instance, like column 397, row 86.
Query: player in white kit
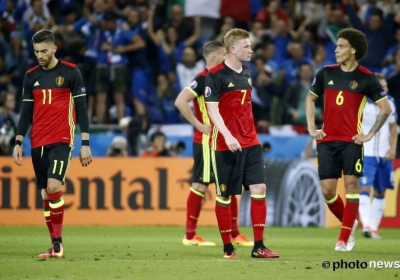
column 378, row 167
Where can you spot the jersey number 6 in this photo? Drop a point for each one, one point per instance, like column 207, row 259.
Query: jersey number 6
column 339, row 98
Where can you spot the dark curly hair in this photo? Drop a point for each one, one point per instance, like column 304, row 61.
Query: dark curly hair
column 356, row 39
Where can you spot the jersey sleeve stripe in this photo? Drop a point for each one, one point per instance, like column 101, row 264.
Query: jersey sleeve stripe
column 79, row 95
column 211, row 102
column 192, row 91
column 380, row 99
column 31, row 100
column 313, row 93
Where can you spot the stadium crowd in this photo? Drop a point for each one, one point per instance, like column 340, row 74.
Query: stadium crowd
column 137, row 55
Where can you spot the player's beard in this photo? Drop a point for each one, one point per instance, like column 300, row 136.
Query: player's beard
column 46, row 62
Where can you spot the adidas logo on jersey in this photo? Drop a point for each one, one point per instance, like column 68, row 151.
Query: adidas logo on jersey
column 330, row 83
column 231, row 85
column 36, row 84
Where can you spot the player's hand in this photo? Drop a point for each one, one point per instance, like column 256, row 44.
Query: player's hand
column 17, row 155
column 359, row 139
column 204, row 128
column 85, row 156
column 391, row 154
column 233, row 144
column 318, row 134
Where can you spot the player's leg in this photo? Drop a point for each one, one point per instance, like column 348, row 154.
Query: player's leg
column 350, row 213
column 200, row 179
column 377, row 209
column 352, row 161
column 59, row 159
column 384, row 181
column 366, row 182
column 329, row 170
column 237, row 238
column 223, row 164
column 253, row 164
column 40, row 163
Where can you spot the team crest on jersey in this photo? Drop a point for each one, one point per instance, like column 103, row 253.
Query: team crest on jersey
column 193, row 84
column 250, row 82
column 353, row 85
column 59, row 81
column 207, row 92
column 222, row 187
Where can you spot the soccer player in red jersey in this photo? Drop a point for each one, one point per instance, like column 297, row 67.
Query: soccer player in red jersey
column 214, row 53
column 54, row 97
column 235, row 150
column 346, row 87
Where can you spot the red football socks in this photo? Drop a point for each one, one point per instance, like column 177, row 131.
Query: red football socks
column 224, row 218
column 56, row 212
column 349, row 216
column 193, row 207
column 234, row 212
column 258, row 213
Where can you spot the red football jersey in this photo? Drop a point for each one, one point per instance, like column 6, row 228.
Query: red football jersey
column 345, row 95
column 52, row 93
column 233, row 92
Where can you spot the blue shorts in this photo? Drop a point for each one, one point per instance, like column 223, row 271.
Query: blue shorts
column 378, row 172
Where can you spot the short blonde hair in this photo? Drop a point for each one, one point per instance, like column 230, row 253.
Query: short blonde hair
column 233, row 36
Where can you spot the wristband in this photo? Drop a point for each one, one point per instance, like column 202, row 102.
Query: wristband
column 85, row 142
column 18, row 142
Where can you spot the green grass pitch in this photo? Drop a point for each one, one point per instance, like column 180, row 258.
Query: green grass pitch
column 157, row 253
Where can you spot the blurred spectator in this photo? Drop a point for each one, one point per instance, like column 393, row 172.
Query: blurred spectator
column 157, row 146
column 390, row 69
column 6, row 74
column 320, row 58
column 256, row 33
column 394, row 81
column 271, row 13
column 18, row 59
column 329, row 27
column 389, row 57
column 185, row 28
column 295, row 96
column 8, row 122
column 8, row 16
column 189, row 67
column 378, row 32
column 118, row 147
column 111, row 69
column 292, row 65
column 264, row 90
column 134, row 47
column 227, row 23
column 164, row 110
